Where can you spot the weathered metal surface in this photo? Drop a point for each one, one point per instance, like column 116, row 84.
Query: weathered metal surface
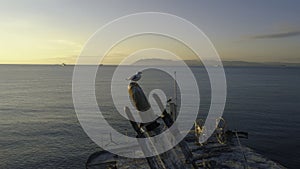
column 138, row 97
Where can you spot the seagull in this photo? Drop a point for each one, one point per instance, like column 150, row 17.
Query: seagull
column 135, row 77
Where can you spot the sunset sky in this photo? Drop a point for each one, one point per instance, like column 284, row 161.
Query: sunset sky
column 54, row 31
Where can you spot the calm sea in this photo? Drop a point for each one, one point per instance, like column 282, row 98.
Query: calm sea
column 39, row 127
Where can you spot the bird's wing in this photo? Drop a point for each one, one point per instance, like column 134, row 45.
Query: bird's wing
column 130, row 78
column 135, row 78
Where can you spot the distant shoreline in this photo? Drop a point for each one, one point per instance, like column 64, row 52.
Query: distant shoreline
column 191, row 63
column 224, row 65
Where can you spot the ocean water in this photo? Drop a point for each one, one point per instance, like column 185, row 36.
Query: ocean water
column 39, row 127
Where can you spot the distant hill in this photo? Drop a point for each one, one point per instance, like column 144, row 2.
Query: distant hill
column 263, row 64
column 212, row 63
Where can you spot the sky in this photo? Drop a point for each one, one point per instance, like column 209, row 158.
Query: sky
column 55, row 31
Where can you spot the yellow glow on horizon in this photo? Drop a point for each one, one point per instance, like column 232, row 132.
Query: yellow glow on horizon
column 142, row 42
column 30, row 43
column 25, row 43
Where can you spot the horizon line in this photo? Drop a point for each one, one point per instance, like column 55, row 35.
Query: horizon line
column 250, row 64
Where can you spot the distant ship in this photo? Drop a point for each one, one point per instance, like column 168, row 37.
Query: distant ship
column 63, row 64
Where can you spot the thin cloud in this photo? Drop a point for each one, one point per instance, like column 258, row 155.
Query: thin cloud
column 66, row 43
column 277, row 35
